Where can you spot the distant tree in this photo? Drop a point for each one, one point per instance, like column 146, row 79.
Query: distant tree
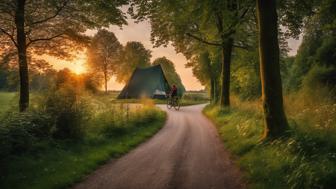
column 104, row 55
column 51, row 27
column 170, row 73
column 207, row 70
column 134, row 55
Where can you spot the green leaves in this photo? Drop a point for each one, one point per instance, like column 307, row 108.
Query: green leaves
column 134, row 55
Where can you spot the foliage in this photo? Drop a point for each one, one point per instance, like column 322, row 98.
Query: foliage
column 104, row 55
column 40, row 148
column 318, row 45
column 69, row 111
column 58, row 22
column 303, row 159
column 30, row 28
column 134, row 55
column 20, row 131
column 207, row 69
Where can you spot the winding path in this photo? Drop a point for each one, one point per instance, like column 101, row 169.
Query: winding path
column 187, row 153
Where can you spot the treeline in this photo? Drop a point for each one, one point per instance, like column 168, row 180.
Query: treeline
column 241, row 47
column 107, row 58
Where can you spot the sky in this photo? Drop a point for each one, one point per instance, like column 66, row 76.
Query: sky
column 141, row 32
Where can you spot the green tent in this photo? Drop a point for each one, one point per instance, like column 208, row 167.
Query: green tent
column 146, row 82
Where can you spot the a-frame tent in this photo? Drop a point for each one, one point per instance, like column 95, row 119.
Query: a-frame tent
column 146, row 82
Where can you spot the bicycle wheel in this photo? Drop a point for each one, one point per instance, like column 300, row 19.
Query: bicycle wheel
column 169, row 104
column 177, row 104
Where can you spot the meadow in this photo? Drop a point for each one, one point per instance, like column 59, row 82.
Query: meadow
column 303, row 158
column 40, row 149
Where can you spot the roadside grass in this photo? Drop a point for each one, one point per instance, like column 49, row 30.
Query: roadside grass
column 108, row 131
column 7, row 101
column 189, row 98
column 306, row 158
column 63, row 164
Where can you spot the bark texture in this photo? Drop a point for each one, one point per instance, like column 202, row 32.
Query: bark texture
column 22, row 55
column 225, row 75
column 274, row 116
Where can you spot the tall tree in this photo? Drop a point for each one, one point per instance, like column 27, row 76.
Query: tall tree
column 274, row 115
column 51, row 27
column 170, row 73
column 192, row 22
column 104, row 55
column 134, row 55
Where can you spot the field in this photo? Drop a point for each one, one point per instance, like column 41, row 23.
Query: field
column 106, row 130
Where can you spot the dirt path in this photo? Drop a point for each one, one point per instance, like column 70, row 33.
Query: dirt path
column 186, row 153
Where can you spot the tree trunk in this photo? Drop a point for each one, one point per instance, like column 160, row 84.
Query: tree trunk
column 216, row 90
column 274, row 116
column 212, row 91
column 225, row 75
column 22, row 55
column 105, row 79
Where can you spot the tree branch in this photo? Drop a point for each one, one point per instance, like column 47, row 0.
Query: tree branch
column 203, row 40
column 43, row 39
column 11, row 37
column 59, row 9
column 230, row 30
column 244, row 47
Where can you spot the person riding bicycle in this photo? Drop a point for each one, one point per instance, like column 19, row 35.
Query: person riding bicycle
column 173, row 92
column 173, row 100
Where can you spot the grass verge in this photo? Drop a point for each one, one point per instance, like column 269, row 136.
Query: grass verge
column 59, row 164
column 305, row 159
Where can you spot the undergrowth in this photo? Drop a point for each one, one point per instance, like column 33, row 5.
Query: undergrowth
column 306, row 158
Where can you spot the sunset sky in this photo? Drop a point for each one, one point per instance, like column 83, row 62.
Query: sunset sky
column 141, row 32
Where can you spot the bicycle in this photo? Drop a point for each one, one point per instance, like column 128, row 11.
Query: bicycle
column 173, row 102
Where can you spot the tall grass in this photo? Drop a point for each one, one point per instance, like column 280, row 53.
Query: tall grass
column 304, row 159
column 65, row 135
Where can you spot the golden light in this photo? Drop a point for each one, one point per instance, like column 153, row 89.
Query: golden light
column 78, row 66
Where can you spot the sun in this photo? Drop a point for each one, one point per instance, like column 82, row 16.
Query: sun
column 78, row 68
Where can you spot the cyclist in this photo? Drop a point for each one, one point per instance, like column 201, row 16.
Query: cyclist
column 173, row 99
column 173, row 92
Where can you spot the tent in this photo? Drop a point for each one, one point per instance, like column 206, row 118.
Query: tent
column 146, row 82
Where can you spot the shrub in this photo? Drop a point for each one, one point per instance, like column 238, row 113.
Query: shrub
column 320, row 77
column 69, row 111
column 18, row 131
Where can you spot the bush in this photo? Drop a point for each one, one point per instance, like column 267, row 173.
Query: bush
column 18, row 131
column 69, row 111
column 320, row 77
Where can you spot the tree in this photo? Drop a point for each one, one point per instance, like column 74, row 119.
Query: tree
column 104, row 54
column 51, row 27
column 207, row 70
column 190, row 23
column 134, row 55
column 170, row 73
column 274, row 115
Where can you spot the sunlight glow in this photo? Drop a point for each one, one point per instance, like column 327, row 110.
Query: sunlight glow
column 79, row 66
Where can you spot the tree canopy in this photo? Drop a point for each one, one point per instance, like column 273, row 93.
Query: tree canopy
column 134, row 55
column 104, row 55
